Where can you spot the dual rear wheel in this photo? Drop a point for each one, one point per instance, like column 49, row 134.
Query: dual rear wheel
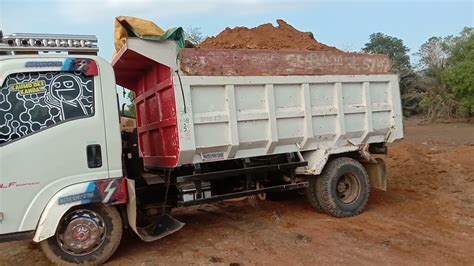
column 341, row 190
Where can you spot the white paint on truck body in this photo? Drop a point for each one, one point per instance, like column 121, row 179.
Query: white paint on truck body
column 239, row 117
column 36, row 168
column 230, row 117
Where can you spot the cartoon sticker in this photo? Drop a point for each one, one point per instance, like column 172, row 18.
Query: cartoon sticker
column 32, row 101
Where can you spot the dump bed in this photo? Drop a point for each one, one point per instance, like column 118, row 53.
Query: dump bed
column 198, row 108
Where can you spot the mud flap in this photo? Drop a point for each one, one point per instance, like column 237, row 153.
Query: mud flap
column 163, row 226
column 377, row 172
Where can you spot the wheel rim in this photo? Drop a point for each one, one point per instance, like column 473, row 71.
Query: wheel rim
column 81, row 232
column 348, row 188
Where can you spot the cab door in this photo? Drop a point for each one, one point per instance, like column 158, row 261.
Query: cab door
column 52, row 133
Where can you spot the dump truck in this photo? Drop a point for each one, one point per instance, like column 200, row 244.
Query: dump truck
column 211, row 125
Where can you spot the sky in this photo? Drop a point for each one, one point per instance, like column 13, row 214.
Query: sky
column 345, row 24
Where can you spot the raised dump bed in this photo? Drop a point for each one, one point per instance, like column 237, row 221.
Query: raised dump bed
column 214, row 104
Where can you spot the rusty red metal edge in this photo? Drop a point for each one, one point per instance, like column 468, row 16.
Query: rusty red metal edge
column 250, row 62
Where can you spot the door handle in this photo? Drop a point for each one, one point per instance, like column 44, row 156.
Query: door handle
column 94, row 156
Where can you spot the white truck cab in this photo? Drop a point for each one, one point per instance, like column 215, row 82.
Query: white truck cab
column 60, row 143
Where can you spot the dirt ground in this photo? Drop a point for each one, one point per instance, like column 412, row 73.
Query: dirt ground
column 425, row 217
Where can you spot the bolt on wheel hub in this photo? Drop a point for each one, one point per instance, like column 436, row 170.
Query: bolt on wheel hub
column 348, row 188
column 341, row 187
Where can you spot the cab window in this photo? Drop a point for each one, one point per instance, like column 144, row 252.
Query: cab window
column 30, row 102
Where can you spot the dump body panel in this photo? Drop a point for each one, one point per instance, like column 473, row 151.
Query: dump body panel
column 155, row 105
column 238, row 117
column 221, row 117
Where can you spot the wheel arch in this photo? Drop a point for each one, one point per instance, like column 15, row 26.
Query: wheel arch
column 106, row 191
column 318, row 159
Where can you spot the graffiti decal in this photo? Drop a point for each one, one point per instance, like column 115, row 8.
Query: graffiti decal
column 108, row 191
column 30, row 102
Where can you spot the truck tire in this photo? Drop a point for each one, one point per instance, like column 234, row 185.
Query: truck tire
column 342, row 190
column 310, row 192
column 86, row 235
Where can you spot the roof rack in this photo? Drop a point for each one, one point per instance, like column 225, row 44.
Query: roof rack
column 21, row 43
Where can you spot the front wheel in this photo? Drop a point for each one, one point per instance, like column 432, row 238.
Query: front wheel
column 342, row 189
column 85, row 235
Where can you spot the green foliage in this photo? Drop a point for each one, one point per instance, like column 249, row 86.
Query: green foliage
column 459, row 73
column 130, row 109
column 380, row 43
column 443, row 85
column 433, row 55
column 448, row 74
column 438, row 102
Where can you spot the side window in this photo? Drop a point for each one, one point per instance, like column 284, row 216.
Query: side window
column 33, row 101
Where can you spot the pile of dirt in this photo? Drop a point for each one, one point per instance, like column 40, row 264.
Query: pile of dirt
column 266, row 36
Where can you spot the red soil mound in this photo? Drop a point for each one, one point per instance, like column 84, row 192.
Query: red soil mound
column 266, row 36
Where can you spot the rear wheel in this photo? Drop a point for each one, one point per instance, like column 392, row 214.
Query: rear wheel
column 310, row 192
column 342, row 189
column 86, row 235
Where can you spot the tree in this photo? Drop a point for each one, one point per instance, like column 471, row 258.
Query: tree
column 130, row 111
column 447, row 65
column 380, row 43
column 194, row 35
column 459, row 72
column 433, row 55
column 437, row 100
